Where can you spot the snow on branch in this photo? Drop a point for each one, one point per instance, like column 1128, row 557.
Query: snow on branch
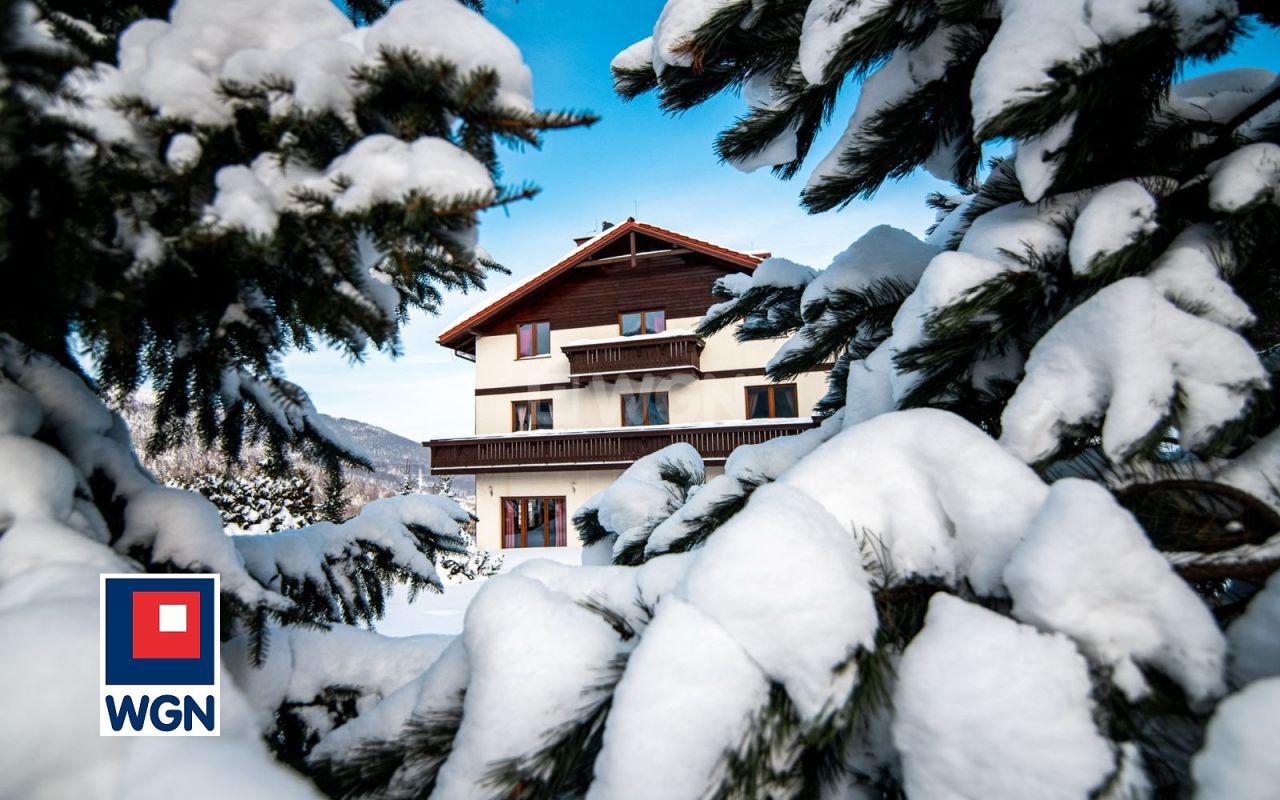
column 1191, row 272
column 1237, row 762
column 397, row 746
column 378, row 169
column 288, row 412
column 622, row 517
column 872, row 477
column 1034, row 42
column 1129, row 361
column 342, row 572
column 536, row 686
column 1249, row 175
column 1257, row 470
column 313, row 680
column 1087, row 569
column 308, row 48
column 766, row 302
column 983, row 689
column 874, row 520
column 747, row 468
column 850, row 305
column 334, row 572
column 159, row 525
column 65, row 459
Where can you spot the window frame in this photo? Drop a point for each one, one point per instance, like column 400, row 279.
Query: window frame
column 533, row 414
column 533, row 338
column 622, row 409
column 523, row 533
column 643, row 312
column 771, row 389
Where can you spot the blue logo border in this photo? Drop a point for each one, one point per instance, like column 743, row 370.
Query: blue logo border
column 122, row 669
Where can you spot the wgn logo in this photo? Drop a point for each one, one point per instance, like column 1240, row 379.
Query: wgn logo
column 159, row 658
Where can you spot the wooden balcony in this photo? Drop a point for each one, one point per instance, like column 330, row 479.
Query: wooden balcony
column 612, row 448
column 634, row 356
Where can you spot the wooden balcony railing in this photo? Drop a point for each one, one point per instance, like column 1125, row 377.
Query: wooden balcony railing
column 661, row 355
column 613, row 448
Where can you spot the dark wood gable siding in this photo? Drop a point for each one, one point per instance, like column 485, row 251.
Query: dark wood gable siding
column 594, row 295
column 622, row 246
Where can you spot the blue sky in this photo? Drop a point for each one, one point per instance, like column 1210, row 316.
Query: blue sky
column 635, row 162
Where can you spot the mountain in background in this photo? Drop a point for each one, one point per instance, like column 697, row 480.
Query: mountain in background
column 394, row 457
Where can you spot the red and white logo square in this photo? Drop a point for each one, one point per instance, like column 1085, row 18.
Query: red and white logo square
column 166, row 624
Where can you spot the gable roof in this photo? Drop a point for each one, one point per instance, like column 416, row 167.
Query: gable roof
column 456, row 335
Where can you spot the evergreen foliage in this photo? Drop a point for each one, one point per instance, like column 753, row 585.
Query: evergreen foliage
column 407, row 485
column 897, row 603
column 1115, row 93
column 201, row 309
column 333, row 500
column 422, row 746
column 187, row 194
column 1113, row 115
column 264, row 500
column 900, row 603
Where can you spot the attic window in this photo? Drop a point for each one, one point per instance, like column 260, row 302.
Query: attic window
column 533, row 339
column 634, row 323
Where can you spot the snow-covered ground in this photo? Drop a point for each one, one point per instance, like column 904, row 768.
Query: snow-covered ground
column 443, row 613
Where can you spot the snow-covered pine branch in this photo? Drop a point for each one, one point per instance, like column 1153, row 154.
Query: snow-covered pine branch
column 615, row 524
column 279, row 176
column 77, row 502
column 766, row 302
column 323, row 572
column 183, row 199
column 312, row 680
column 748, row 468
column 342, row 572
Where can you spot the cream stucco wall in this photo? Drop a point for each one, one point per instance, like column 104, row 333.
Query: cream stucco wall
column 497, row 365
column 598, row 405
column 575, row 487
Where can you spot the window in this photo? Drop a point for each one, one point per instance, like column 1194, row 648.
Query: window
column 533, row 522
column 634, row 323
column 772, row 401
column 530, row 415
column 649, row 408
column 533, row 339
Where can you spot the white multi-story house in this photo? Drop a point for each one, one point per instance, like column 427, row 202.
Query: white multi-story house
column 593, row 363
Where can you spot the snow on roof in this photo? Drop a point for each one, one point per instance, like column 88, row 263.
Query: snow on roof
column 486, row 308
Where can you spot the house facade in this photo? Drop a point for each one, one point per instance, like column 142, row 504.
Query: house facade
column 593, row 363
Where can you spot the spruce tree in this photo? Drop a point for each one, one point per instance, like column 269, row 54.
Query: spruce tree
column 187, row 194
column 263, row 499
column 333, row 499
column 408, row 485
column 1031, row 551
